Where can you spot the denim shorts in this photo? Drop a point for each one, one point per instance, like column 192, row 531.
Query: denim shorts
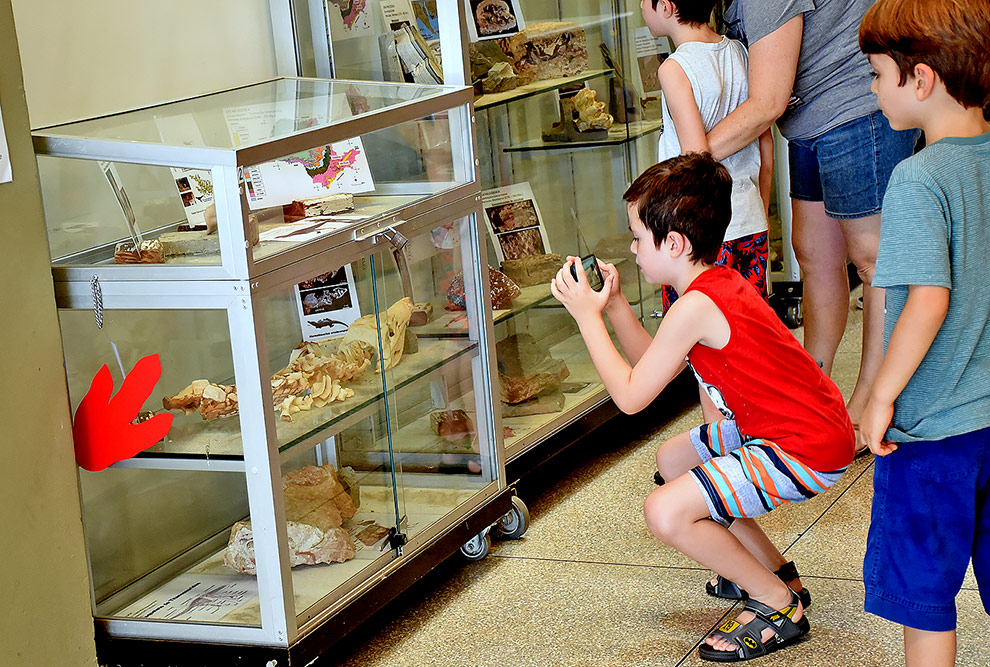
column 849, row 166
column 931, row 515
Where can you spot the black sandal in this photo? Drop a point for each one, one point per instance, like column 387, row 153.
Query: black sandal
column 749, row 638
column 728, row 590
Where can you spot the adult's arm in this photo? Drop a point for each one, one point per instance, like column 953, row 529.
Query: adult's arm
column 772, row 69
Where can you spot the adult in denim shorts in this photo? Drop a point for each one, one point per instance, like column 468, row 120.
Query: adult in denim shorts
column 808, row 74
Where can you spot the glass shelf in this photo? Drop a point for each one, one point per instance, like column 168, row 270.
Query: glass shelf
column 537, row 87
column 216, row 444
column 617, row 135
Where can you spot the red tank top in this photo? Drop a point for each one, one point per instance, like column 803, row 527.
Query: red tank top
column 767, row 382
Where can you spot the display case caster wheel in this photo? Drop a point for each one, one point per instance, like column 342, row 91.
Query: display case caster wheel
column 478, row 546
column 515, row 523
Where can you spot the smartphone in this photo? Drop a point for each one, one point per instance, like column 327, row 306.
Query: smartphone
column 591, row 270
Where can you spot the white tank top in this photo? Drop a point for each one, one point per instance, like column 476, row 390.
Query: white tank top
column 719, row 78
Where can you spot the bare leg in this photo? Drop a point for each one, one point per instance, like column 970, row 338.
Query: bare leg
column 675, row 457
column 929, row 649
column 677, row 514
column 821, row 251
column 708, row 408
column 862, row 240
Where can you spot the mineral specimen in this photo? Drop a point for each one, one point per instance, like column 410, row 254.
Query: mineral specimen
column 316, row 506
column 547, row 51
column 394, row 323
column 525, row 368
column 533, row 269
column 147, row 252
column 502, row 288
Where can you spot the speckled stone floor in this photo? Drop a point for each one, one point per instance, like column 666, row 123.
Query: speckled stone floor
column 587, row 585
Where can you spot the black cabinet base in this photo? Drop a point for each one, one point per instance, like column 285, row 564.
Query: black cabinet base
column 123, row 652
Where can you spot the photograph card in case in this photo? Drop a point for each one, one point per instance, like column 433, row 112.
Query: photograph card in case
column 514, row 222
column 327, row 304
column 490, row 19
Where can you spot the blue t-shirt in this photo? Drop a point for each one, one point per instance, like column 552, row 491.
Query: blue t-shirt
column 936, row 231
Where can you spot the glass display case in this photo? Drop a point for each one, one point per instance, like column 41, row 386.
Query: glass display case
column 324, row 376
column 567, row 109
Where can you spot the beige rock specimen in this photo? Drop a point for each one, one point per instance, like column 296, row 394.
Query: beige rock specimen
column 308, row 545
column 591, row 114
column 533, row 269
column 189, row 243
column 547, row 51
column 421, row 314
column 394, row 323
column 525, row 368
column 316, row 506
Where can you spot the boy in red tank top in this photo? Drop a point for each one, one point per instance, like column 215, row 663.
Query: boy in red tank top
column 785, row 435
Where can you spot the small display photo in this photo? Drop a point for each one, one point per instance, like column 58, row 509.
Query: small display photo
column 488, row 19
column 188, row 198
column 514, row 222
column 183, row 184
column 650, row 53
column 327, row 304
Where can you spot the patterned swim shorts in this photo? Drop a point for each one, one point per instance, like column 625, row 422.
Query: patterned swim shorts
column 744, row 478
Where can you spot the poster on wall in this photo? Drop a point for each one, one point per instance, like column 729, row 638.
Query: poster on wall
column 6, row 172
column 489, row 19
column 338, row 167
column 427, row 22
column 397, row 12
column 514, row 222
column 355, row 15
column 327, row 304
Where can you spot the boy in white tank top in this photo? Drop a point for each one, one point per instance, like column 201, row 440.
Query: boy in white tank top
column 703, row 81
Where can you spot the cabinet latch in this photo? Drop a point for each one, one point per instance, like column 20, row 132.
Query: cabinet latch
column 395, row 541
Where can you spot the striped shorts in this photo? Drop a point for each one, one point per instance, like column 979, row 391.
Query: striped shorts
column 746, row 478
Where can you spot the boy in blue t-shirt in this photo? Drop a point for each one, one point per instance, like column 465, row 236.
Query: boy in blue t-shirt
column 928, row 419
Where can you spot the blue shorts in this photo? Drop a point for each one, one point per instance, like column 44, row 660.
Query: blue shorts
column 746, row 477
column 931, row 514
column 849, row 166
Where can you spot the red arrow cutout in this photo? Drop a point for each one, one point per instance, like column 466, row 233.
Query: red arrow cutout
column 102, row 429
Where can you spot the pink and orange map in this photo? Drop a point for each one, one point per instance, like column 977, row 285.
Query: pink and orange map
column 350, row 11
column 324, row 165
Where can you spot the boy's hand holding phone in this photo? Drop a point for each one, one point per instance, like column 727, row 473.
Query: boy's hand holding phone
column 571, row 287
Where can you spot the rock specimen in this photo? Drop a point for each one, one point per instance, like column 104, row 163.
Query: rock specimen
column 308, row 545
column 533, row 269
column 421, row 314
column 547, row 51
column 148, row 252
column 500, row 78
column 502, row 288
column 451, row 424
column 590, row 113
column 545, row 403
column 316, row 506
column 189, row 243
column 526, row 369
column 394, row 323
column 325, row 205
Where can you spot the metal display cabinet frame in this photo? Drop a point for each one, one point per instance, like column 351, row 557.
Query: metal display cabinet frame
column 237, row 288
column 310, row 30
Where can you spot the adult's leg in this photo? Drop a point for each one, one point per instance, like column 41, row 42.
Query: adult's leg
column 677, row 514
column 929, row 649
column 862, row 240
column 820, row 247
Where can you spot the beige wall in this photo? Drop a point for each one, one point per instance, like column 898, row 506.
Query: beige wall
column 83, row 59
column 45, row 614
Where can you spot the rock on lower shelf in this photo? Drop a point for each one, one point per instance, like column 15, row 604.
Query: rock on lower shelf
column 525, row 368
